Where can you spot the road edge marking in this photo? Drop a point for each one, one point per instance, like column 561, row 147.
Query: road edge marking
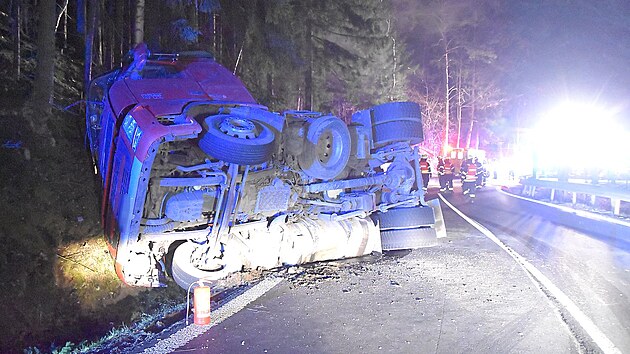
column 602, row 341
column 190, row 332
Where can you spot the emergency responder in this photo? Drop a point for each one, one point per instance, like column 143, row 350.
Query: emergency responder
column 481, row 173
column 449, row 171
column 425, row 171
column 440, row 171
column 469, row 177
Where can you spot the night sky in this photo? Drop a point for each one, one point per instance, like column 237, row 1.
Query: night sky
column 551, row 51
column 576, row 50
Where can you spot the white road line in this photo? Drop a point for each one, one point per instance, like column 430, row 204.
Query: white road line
column 586, row 323
column 188, row 333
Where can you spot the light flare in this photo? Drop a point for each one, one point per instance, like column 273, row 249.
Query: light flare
column 580, row 136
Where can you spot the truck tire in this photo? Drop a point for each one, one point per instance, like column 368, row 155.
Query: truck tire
column 405, row 218
column 397, row 121
column 402, row 130
column 396, row 111
column 237, row 140
column 392, row 240
column 326, row 148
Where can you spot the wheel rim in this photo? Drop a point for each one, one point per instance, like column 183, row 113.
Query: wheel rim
column 327, row 148
column 237, row 140
column 239, row 128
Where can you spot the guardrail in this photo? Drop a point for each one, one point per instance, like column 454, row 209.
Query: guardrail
column 615, row 193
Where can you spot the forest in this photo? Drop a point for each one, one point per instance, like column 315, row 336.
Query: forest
column 322, row 55
column 478, row 68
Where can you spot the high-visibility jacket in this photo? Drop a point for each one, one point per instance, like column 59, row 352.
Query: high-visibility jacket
column 448, row 167
column 425, row 168
column 471, row 173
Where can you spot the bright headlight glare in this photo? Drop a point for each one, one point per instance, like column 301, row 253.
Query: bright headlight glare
column 129, row 126
column 136, row 138
column 576, row 135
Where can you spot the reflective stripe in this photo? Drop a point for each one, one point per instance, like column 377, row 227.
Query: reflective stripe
column 448, row 167
column 424, row 167
column 471, row 174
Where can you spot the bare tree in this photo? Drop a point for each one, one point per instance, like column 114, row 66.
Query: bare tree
column 16, row 29
column 89, row 42
column 432, row 117
column 138, row 23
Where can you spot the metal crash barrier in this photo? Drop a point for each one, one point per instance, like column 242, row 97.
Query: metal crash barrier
column 617, row 195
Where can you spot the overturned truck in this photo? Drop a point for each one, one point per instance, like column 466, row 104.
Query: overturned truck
column 193, row 170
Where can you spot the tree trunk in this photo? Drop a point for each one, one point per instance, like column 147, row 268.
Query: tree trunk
column 447, row 96
column 215, row 44
column 308, row 79
column 138, row 28
column 65, row 31
column 24, row 20
column 44, row 73
column 99, row 39
column 17, row 38
column 81, row 16
column 194, row 18
column 89, row 44
column 472, row 118
column 119, row 24
column 108, row 35
column 477, row 138
column 460, row 103
column 473, row 105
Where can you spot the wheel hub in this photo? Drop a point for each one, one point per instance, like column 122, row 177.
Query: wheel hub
column 325, row 147
column 238, row 127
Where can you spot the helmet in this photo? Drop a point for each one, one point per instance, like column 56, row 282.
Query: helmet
column 424, row 156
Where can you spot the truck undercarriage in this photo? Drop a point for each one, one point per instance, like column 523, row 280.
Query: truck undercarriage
column 224, row 184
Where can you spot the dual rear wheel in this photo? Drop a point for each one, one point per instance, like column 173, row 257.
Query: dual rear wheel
column 407, row 228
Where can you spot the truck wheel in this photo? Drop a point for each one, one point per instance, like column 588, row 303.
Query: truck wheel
column 326, row 149
column 392, row 240
column 237, row 140
column 405, row 218
column 186, row 272
column 397, row 121
column 402, row 130
column 406, row 228
column 397, row 111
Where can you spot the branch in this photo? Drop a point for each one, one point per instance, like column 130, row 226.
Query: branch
column 64, row 8
column 75, row 262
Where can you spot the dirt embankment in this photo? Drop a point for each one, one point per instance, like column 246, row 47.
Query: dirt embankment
column 57, row 277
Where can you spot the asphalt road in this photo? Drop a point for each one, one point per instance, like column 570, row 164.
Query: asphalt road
column 466, row 295
column 591, row 267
